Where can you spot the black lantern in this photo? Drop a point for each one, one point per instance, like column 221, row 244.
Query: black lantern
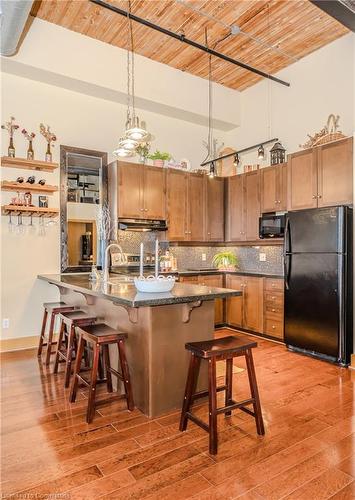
column 277, row 153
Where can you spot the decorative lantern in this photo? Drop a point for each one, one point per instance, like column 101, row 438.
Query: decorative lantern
column 277, row 154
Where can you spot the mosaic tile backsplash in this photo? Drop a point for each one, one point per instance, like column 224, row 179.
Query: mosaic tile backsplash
column 191, row 257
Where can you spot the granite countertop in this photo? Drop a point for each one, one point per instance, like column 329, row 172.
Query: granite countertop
column 121, row 290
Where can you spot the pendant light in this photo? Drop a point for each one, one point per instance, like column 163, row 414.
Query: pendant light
column 135, row 131
column 236, row 160
column 212, row 172
column 261, row 152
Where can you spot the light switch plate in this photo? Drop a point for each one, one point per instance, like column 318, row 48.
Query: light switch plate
column 204, row 257
column 262, row 257
column 6, row 323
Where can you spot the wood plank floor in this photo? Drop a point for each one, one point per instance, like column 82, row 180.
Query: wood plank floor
column 48, row 451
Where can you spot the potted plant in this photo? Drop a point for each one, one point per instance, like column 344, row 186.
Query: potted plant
column 143, row 151
column 159, row 158
column 225, row 261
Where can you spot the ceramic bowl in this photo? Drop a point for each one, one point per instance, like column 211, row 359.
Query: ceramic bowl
column 150, row 284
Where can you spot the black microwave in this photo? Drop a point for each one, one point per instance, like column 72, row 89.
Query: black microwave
column 272, row 225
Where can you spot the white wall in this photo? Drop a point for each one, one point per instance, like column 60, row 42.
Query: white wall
column 78, row 120
column 321, row 83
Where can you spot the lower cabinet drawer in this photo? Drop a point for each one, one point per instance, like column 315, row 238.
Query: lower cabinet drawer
column 274, row 328
column 274, row 309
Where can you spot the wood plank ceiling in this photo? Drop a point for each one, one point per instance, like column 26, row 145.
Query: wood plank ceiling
column 294, row 28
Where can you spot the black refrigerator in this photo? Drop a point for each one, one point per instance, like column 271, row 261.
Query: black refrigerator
column 319, row 282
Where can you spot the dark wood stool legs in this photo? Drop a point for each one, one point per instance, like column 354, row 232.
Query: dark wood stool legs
column 43, row 331
column 230, row 404
column 101, row 336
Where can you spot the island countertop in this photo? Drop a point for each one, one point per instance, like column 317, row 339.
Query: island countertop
column 121, row 290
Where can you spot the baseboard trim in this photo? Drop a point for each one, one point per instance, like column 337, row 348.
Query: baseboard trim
column 19, row 344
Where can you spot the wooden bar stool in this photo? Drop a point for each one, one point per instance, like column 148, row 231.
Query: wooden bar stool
column 70, row 320
column 100, row 336
column 214, row 350
column 52, row 308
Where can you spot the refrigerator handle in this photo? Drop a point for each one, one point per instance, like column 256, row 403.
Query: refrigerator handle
column 286, row 270
column 287, row 236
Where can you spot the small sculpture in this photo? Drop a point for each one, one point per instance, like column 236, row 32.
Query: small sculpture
column 50, row 137
column 42, row 182
column 11, row 127
column 31, row 179
column 29, row 137
column 328, row 133
column 20, row 180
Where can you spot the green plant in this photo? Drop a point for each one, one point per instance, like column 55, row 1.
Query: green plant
column 143, row 149
column 223, row 260
column 159, row 155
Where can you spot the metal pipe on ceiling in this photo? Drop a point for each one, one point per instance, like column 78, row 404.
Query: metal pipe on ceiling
column 192, row 43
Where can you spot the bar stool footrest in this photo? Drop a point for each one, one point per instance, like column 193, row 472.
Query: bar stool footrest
column 202, row 394
column 198, row 421
column 234, row 406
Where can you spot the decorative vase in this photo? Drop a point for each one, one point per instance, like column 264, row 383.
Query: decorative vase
column 30, row 152
column 142, row 159
column 11, row 149
column 159, row 163
column 48, row 152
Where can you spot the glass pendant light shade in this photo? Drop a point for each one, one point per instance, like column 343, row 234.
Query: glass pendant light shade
column 122, row 152
column 127, row 143
column 135, row 131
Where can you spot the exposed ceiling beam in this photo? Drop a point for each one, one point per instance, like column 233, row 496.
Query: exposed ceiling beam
column 192, row 43
column 342, row 10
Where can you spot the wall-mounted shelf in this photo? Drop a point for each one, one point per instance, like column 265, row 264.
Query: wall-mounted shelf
column 26, row 186
column 34, row 211
column 45, row 166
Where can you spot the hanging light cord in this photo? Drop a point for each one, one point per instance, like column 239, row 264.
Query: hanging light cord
column 130, row 68
column 210, row 105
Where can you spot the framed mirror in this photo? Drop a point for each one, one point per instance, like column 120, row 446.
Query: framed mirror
column 83, row 188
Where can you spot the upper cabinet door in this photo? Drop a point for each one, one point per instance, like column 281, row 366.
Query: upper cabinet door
column 252, row 205
column 268, row 189
column 177, row 205
column 196, row 207
column 235, row 209
column 302, row 180
column 154, row 192
column 215, row 209
column 281, row 187
column 130, row 190
column 335, row 173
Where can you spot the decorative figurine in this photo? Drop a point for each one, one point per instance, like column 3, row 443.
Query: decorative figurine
column 20, row 180
column 42, row 182
column 31, row 179
column 28, row 199
column 50, row 137
column 11, row 127
column 330, row 132
column 277, row 154
column 43, row 201
column 29, row 137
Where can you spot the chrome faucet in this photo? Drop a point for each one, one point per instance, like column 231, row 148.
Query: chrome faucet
column 107, row 259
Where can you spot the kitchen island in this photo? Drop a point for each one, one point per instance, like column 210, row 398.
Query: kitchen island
column 157, row 327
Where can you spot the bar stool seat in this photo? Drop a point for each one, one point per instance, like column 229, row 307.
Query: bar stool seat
column 70, row 320
column 100, row 336
column 52, row 309
column 225, row 348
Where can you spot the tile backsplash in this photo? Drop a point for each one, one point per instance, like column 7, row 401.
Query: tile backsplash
column 191, row 257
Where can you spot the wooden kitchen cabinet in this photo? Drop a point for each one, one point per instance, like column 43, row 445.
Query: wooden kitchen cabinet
column 302, row 180
column 251, row 197
column 177, row 205
column 335, row 173
column 215, row 281
column 141, row 191
column 215, row 209
column 245, row 311
column 186, row 195
column 235, row 208
column 273, row 188
column 322, row 176
column 274, row 308
column 196, row 207
column 243, row 207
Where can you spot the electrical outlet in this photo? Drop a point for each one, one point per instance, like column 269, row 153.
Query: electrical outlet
column 6, row 323
column 262, row 257
column 204, row 257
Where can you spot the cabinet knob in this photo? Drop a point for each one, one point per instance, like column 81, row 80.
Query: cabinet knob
column 273, row 327
column 273, row 310
column 273, row 298
column 141, row 209
column 314, row 197
column 146, row 210
column 319, row 196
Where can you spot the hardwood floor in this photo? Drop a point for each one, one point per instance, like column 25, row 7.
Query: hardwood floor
column 307, row 453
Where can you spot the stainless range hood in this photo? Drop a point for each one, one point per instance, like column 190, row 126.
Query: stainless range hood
column 142, row 225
